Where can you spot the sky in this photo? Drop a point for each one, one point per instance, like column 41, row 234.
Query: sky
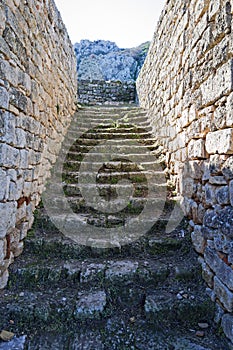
column 126, row 22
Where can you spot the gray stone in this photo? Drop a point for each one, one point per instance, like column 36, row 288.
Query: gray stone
column 121, row 269
column 90, row 305
column 220, row 142
column 198, row 239
column 223, row 294
column 221, row 269
column 222, row 195
column 7, row 215
column 227, row 325
column 4, row 98
column 227, row 169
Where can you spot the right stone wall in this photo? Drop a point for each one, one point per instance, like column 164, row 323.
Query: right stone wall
column 186, row 84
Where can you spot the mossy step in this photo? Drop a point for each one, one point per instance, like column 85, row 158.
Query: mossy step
column 30, row 274
column 190, row 306
column 144, row 134
column 83, row 140
column 56, row 306
column 108, row 190
column 155, row 243
column 111, row 176
column 117, row 165
column 106, row 156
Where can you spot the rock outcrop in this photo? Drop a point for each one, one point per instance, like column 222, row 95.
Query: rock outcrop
column 104, row 60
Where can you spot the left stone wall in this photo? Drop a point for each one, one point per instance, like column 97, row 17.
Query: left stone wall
column 38, row 86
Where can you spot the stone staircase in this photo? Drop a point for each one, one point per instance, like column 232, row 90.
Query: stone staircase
column 112, row 276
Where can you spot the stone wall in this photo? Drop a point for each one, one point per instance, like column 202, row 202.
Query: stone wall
column 187, row 85
column 37, row 95
column 92, row 92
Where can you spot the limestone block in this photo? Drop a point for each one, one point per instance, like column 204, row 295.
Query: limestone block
column 196, row 149
column 198, row 240
column 227, row 326
column 220, row 219
column 222, row 195
column 7, row 128
column 207, row 274
column 216, row 163
column 227, row 168
column 210, row 196
column 223, row 294
column 4, row 98
column 220, row 142
column 222, row 243
column 9, row 156
column 217, row 180
column 221, row 269
column 217, row 84
column 7, row 215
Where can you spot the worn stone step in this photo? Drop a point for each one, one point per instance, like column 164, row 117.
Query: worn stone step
column 84, row 140
column 46, row 239
column 109, row 190
column 121, row 135
column 61, row 305
column 95, row 156
column 111, row 176
column 30, row 274
column 117, row 165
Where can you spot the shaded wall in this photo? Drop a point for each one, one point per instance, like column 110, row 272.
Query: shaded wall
column 187, row 85
column 37, row 101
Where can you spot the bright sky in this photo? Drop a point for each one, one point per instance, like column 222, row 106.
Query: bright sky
column 127, row 22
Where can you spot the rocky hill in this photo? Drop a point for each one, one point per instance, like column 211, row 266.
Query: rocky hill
column 104, row 60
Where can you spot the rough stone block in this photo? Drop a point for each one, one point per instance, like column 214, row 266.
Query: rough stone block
column 90, row 305
column 196, row 149
column 227, row 326
column 227, row 168
column 221, row 269
column 4, row 98
column 218, row 84
column 7, row 215
column 222, row 195
column 223, row 294
column 198, row 239
column 220, row 142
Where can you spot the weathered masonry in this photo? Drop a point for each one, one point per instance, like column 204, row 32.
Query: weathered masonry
column 37, row 100
column 187, row 85
column 94, row 92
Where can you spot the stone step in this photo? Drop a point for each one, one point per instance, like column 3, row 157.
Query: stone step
column 146, row 157
column 117, row 165
column 56, row 307
column 90, row 177
column 46, row 239
column 121, row 148
column 92, row 142
column 29, row 274
column 109, row 190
